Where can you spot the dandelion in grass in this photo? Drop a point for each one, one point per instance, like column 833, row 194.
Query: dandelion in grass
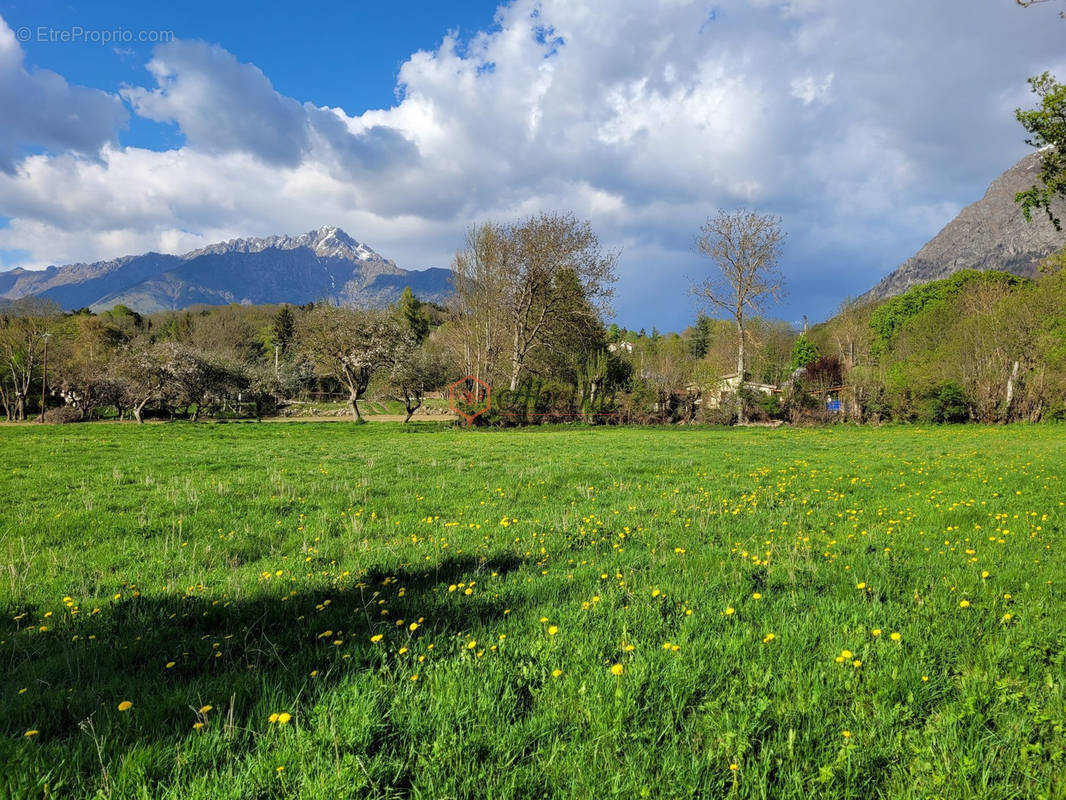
column 617, row 669
column 205, row 709
column 964, row 604
column 284, row 718
column 553, row 629
column 376, row 638
column 846, row 734
column 876, row 631
column 734, row 767
column 756, row 596
column 730, row 611
column 556, row 673
column 895, row 636
column 31, row 733
column 125, row 705
column 273, row 718
column 196, row 726
column 769, row 638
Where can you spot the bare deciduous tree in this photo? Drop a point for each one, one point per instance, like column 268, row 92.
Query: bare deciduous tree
column 744, row 246
column 514, row 282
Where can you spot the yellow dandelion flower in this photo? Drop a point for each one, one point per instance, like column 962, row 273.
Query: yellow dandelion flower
column 846, row 734
column 617, row 669
column 556, row 673
column 860, row 585
column 170, row 664
column 756, row 596
column 413, row 626
column 31, row 733
column 856, row 663
column 314, row 673
column 769, row 638
column 730, row 611
column 279, row 770
column 284, row 717
column 414, row 677
column 846, row 654
column 205, row 709
column 876, row 631
column 272, row 718
column 964, row 604
column 197, row 726
column 376, row 638
column 895, row 636
column 125, row 705
column 471, row 644
column 552, row 630
column 733, row 767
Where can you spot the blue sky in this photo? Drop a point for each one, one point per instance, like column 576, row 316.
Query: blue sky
column 865, row 126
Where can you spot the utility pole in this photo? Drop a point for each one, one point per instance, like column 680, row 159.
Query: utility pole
column 44, row 373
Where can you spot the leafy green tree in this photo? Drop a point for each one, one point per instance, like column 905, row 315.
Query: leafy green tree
column 1046, row 126
column 413, row 312
column 283, row 329
column 803, row 353
column 700, row 341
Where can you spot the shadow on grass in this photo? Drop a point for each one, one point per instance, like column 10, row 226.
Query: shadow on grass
column 171, row 655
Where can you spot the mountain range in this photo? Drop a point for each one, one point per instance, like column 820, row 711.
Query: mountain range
column 328, row 264
column 989, row 234
column 325, row 264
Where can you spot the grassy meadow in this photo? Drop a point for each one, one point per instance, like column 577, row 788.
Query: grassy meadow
column 325, row 610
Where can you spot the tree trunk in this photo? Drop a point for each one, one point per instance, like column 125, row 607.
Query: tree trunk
column 516, row 362
column 740, row 369
column 1010, row 390
column 353, row 406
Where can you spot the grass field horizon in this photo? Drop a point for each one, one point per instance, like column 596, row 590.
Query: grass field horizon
column 327, row 610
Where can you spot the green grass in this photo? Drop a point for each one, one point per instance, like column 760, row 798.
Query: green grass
column 262, row 560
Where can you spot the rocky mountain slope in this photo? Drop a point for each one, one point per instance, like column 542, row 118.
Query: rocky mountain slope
column 988, row 234
column 325, row 264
